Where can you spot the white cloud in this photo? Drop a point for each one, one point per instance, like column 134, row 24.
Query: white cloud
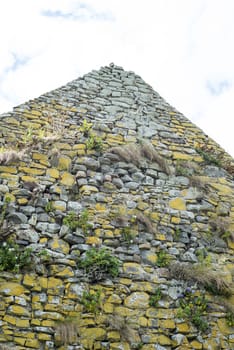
column 182, row 48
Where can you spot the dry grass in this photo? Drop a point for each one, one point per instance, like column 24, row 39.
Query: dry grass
column 128, row 153
column 11, row 156
column 221, row 225
column 144, row 220
column 148, row 151
column 134, row 153
column 212, row 281
column 66, row 332
column 196, row 181
column 119, row 324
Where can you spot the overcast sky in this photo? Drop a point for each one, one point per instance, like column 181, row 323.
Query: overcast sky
column 183, row 48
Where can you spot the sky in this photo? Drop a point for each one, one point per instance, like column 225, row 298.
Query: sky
column 183, row 48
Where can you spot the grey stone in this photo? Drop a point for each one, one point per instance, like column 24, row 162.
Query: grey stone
column 18, row 218
column 132, row 185
column 53, row 228
column 74, row 206
column 28, row 210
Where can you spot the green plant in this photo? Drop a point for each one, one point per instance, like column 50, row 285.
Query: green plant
column 181, row 170
column 163, row 259
column 49, row 207
column 94, row 142
column 203, row 257
column 155, row 297
column 98, row 264
column 192, row 308
column 208, row 157
column 91, row 301
column 85, row 127
column 12, row 258
column 230, row 318
column 74, row 221
column 127, row 234
column 137, row 346
column 44, row 256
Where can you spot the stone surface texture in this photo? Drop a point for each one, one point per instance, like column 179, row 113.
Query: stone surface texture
column 151, row 199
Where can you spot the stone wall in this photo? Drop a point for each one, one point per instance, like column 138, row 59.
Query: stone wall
column 105, row 162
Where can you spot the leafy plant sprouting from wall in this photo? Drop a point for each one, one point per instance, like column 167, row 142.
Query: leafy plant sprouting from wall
column 213, row 156
column 99, row 264
column 94, row 142
column 192, row 307
column 12, row 258
column 91, row 300
column 74, row 221
column 155, row 297
column 163, row 259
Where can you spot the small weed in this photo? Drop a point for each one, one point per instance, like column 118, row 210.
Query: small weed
column 12, row 258
column 127, row 234
column 163, row 259
column 44, row 256
column 74, row 221
column 85, row 127
column 94, row 142
column 181, row 170
column 99, row 264
column 91, row 301
column 155, row 297
column 137, row 346
column 192, row 308
column 230, row 319
column 203, row 257
column 49, row 207
column 208, row 157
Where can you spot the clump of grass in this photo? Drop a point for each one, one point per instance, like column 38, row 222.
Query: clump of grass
column 120, row 324
column 145, row 221
column 8, row 156
column 221, row 226
column 149, row 152
column 128, row 153
column 204, row 276
column 135, row 154
column 66, row 331
column 197, row 182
